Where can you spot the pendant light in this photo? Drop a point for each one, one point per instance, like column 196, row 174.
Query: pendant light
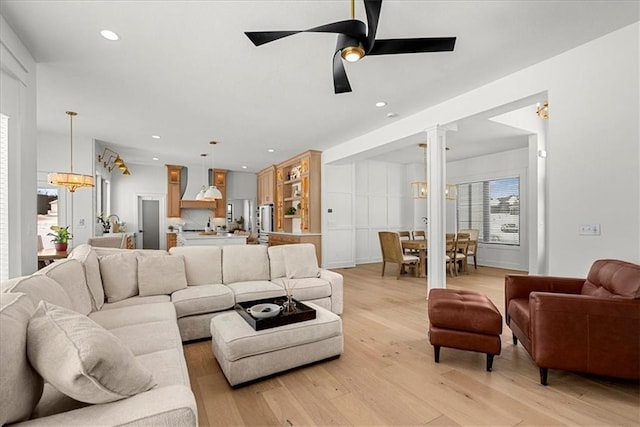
column 419, row 188
column 212, row 192
column 69, row 179
column 200, row 195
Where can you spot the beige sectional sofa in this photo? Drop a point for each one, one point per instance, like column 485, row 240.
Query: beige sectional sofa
column 96, row 339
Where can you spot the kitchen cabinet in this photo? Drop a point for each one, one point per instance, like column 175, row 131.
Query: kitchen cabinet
column 266, row 185
column 172, row 240
column 298, row 185
column 219, row 179
column 173, row 190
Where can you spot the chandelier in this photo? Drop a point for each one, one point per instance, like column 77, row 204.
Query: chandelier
column 420, row 189
column 69, row 179
column 112, row 161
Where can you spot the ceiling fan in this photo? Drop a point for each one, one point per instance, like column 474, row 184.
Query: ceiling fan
column 355, row 41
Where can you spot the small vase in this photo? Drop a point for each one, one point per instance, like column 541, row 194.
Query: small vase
column 60, row 247
column 290, row 305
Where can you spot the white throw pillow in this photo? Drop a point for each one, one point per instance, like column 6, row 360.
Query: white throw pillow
column 119, row 275
column 161, row 275
column 81, row 358
column 300, row 261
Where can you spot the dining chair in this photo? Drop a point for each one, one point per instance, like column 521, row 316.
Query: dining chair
column 405, row 235
column 462, row 247
column 419, row 235
column 450, row 254
column 392, row 252
column 472, row 251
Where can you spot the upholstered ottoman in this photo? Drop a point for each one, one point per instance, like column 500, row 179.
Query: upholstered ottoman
column 245, row 354
column 465, row 320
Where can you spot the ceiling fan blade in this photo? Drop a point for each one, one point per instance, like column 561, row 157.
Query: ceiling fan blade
column 350, row 27
column 395, row 46
column 261, row 37
column 340, row 80
column 372, row 7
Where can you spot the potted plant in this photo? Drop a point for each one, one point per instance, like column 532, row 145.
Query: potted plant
column 61, row 237
column 290, row 211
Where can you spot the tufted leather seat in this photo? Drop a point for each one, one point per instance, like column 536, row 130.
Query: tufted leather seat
column 465, row 320
column 585, row 325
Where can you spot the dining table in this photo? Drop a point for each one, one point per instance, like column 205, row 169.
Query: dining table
column 419, row 245
column 47, row 256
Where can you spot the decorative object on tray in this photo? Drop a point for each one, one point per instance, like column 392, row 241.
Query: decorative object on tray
column 263, row 311
column 302, row 312
column 290, row 304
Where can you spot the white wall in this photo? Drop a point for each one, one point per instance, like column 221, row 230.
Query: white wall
column 18, row 102
column 592, row 144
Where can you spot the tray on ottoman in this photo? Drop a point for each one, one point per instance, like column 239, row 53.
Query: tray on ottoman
column 303, row 312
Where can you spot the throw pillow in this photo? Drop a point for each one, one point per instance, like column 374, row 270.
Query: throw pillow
column 300, row 261
column 81, row 358
column 119, row 275
column 161, row 275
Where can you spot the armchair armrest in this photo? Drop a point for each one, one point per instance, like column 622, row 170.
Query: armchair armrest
column 520, row 286
column 586, row 334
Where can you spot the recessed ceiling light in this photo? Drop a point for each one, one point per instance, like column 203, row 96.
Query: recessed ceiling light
column 155, row 158
column 155, row 136
column 271, row 150
column 244, row 167
column 392, row 115
column 380, row 104
column 109, row 35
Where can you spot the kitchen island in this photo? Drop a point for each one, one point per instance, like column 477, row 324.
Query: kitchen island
column 195, row 238
column 283, row 238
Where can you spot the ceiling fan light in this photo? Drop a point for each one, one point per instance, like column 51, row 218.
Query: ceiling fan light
column 353, row 53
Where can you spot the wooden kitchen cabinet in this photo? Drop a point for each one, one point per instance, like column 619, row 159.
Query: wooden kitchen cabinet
column 298, row 184
column 219, row 179
column 266, row 185
column 173, row 190
column 172, row 240
column 276, row 239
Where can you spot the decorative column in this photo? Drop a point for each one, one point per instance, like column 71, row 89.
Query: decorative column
column 436, row 208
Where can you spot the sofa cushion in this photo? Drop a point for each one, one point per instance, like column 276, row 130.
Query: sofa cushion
column 276, row 261
column 519, row 311
column 243, row 263
column 609, row 278
column 137, row 300
column 69, row 273
column 202, row 299
column 257, row 289
column 82, row 359
column 161, row 275
column 20, row 384
column 119, row 273
column 89, row 259
column 203, row 264
column 300, row 261
column 39, row 287
column 134, row 315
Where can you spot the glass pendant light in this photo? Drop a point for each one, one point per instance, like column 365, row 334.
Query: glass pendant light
column 212, row 192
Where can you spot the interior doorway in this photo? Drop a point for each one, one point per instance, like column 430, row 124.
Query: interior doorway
column 151, row 212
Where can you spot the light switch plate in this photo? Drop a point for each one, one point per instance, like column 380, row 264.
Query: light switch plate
column 589, row 229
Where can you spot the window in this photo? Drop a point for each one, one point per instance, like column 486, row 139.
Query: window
column 493, row 208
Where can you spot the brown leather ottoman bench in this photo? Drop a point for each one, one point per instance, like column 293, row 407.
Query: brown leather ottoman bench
column 465, row 320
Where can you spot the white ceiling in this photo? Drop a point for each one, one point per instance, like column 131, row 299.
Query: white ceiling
column 184, row 70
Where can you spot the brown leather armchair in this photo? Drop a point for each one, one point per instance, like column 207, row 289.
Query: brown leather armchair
column 587, row 325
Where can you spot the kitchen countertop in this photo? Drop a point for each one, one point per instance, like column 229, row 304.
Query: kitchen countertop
column 291, row 233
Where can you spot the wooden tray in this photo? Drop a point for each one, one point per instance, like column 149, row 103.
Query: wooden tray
column 303, row 312
column 208, row 233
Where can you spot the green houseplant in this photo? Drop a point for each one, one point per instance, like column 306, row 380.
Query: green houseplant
column 61, row 237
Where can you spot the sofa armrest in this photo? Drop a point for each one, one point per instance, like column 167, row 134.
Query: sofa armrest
column 336, row 281
column 586, row 334
column 170, row 405
column 520, row 286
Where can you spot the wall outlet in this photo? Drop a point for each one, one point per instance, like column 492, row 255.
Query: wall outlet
column 82, row 223
column 589, row 229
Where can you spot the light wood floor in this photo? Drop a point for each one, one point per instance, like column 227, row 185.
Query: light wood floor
column 387, row 375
